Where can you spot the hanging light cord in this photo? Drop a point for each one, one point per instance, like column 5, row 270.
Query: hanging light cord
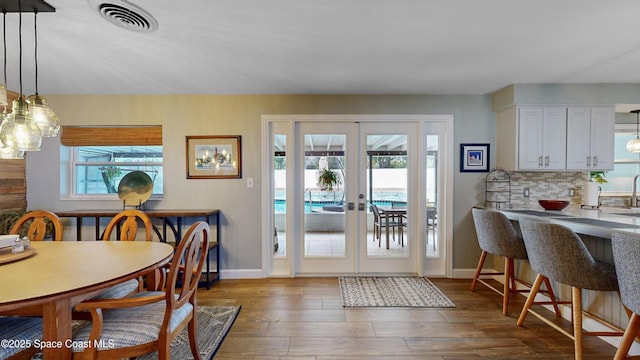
column 35, row 49
column 20, row 42
column 4, row 42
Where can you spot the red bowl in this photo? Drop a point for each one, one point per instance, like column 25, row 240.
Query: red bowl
column 553, row 204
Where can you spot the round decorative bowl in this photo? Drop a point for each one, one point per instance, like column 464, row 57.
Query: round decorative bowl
column 553, row 204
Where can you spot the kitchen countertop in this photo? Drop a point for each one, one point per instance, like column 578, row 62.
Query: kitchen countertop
column 600, row 222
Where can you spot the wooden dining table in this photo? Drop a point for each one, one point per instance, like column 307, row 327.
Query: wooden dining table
column 63, row 273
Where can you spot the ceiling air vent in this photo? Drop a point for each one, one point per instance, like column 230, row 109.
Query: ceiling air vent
column 125, row 15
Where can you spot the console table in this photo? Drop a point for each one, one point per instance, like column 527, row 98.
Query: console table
column 211, row 216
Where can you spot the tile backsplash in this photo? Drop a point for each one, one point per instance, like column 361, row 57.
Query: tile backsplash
column 554, row 185
column 547, row 185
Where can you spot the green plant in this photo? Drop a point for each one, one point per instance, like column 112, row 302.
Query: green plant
column 328, row 179
column 597, row 176
column 109, row 174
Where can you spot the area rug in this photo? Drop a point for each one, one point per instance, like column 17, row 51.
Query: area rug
column 213, row 324
column 392, row 291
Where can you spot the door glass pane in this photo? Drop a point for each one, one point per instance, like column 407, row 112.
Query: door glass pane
column 279, row 195
column 387, row 193
column 431, row 169
column 324, row 215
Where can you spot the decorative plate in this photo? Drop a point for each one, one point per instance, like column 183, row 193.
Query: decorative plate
column 135, row 188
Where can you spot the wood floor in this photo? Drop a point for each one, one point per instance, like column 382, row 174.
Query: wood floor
column 303, row 318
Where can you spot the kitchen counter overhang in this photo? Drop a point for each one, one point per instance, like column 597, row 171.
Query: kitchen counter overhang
column 600, row 222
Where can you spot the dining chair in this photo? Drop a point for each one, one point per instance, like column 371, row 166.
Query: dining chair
column 128, row 222
column 380, row 222
column 148, row 321
column 20, row 331
column 558, row 253
column 626, row 258
column 34, row 225
column 432, row 222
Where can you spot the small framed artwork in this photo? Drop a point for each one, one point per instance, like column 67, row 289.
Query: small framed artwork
column 474, row 157
column 214, row 157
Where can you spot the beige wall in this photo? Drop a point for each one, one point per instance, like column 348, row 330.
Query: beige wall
column 183, row 115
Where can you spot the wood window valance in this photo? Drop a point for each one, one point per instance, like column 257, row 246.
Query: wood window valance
column 111, row 135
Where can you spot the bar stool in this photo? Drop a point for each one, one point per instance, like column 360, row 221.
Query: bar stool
column 556, row 252
column 626, row 257
column 497, row 236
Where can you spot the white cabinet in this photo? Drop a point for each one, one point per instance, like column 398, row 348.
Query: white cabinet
column 554, row 138
column 542, row 137
column 590, row 137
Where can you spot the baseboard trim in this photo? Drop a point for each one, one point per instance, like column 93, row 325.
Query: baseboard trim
column 243, row 274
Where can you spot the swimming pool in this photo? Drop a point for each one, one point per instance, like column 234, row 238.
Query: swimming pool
column 317, row 206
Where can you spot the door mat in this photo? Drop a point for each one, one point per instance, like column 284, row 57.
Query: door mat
column 392, row 291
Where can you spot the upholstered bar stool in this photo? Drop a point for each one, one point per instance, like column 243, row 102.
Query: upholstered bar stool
column 497, row 236
column 556, row 252
column 626, row 256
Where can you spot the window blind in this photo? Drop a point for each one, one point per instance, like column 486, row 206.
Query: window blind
column 111, row 135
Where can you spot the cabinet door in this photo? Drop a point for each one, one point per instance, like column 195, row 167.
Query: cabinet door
column 554, row 138
column 578, row 138
column 530, row 133
column 602, row 137
column 590, row 137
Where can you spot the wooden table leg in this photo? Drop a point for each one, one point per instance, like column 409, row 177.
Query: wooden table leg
column 56, row 329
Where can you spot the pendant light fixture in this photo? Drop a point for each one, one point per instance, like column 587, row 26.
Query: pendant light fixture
column 6, row 152
column 634, row 144
column 41, row 113
column 18, row 130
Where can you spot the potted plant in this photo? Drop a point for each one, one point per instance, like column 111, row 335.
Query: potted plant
column 328, row 179
column 591, row 196
column 598, row 177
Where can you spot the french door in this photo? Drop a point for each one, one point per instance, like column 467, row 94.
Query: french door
column 349, row 196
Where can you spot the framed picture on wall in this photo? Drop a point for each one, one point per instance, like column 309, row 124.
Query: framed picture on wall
column 214, row 157
column 474, row 157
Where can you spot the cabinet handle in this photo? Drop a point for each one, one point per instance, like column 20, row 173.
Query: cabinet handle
column 588, row 161
column 546, row 161
column 595, row 161
column 540, row 161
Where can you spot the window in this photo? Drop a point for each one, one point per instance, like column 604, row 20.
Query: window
column 99, row 157
column 99, row 169
column 626, row 164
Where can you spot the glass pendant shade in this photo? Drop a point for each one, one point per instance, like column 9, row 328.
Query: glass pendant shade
column 43, row 116
column 633, row 145
column 8, row 152
column 19, row 131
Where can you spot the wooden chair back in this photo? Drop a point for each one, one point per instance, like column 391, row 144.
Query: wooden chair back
column 127, row 221
column 37, row 230
column 187, row 264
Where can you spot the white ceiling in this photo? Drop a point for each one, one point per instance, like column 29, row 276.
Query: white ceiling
column 329, row 46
